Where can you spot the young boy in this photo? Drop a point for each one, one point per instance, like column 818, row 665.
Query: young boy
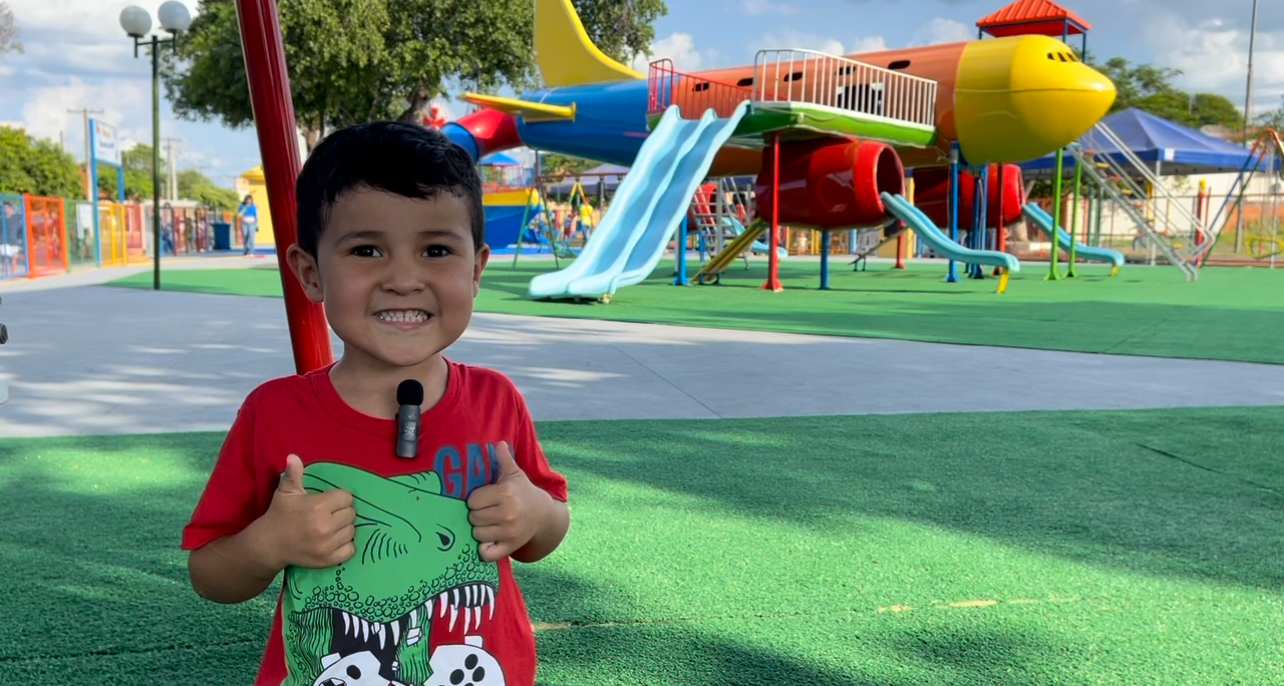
column 396, row 569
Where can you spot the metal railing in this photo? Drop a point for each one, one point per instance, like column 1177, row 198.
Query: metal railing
column 796, row 75
column 1131, row 168
column 1178, row 254
column 692, row 94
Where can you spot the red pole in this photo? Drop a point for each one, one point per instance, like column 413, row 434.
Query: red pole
column 773, row 260
column 274, row 121
column 900, row 245
column 1000, row 229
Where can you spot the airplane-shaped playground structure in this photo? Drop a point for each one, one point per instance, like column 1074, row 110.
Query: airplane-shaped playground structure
column 827, row 136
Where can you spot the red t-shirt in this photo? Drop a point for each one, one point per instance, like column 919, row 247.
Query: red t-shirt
column 416, row 604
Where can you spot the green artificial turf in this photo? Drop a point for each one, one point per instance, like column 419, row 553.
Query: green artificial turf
column 1231, row 313
column 1019, row 548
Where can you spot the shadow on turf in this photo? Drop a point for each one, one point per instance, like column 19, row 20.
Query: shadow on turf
column 1040, row 481
column 101, row 588
column 91, row 575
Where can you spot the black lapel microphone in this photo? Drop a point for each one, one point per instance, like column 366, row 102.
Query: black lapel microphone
column 410, row 395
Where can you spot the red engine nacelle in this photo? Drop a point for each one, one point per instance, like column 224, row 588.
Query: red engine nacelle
column 831, row 183
column 932, row 196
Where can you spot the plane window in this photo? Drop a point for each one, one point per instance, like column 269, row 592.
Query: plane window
column 1051, row 57
column 700, row 87
column 745, row 82
column 794, row 76
column 899, row 64
column 846, row 70
column 1062, row 55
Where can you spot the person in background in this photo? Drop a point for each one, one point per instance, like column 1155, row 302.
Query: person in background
column 249, row 215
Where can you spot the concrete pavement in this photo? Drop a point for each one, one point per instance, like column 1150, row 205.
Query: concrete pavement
column 96, row 359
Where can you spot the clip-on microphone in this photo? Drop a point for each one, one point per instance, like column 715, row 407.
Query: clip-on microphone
column 410, row 395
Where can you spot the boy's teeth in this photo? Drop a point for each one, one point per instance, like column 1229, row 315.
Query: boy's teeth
column 403, row 315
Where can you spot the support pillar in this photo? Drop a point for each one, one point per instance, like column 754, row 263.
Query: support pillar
column 269, row 85
column 1053, row 275
column 773, row 260
column 951, row 274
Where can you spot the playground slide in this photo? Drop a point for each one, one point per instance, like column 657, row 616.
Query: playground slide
column 758, row 246
column 647, row 208
column 1036, row 214
column 914, row 218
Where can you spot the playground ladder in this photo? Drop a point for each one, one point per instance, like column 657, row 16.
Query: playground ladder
column 1178, row 256
column 1132, row 168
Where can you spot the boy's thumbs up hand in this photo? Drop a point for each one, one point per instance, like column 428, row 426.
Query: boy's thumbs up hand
column 307, row 529
column 507, row 514
column 292, row 477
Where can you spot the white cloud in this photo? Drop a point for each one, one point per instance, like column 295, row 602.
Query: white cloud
column 76, row 55
column 755, row 7
column 790, row 38
column 679, row 47
column 869, row 44
column 942, row 30
column 1214, row 58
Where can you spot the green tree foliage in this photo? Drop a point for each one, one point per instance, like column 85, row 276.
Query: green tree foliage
column 565, row 164
column 193, row 185
column 1272, row 119
column 38, row 167
column 8, row 31
column 390, row 63
column 1149, row 88
column 137, row 162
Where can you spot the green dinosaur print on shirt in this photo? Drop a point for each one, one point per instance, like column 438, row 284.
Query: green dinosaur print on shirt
column 415, row 554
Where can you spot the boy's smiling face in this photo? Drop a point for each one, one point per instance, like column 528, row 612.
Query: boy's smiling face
column 397, row 275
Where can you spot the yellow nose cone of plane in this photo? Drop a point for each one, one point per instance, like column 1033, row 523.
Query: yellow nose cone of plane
column 1022, row 97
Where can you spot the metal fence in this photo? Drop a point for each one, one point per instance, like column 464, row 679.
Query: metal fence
column 1254, row 230
column 693, row 95
column 41, row 236
column 46, row 236
column 124, row 239
column 13, row 236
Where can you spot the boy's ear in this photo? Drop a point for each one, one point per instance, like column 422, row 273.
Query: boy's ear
column 306, row 271
column 483, row 256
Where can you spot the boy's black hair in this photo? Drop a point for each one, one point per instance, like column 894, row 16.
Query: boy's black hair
column 404, row 159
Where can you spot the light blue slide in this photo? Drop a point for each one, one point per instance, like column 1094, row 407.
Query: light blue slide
column 647, row 209
column 758, row 246
column 941, row 244
column 1041, row 218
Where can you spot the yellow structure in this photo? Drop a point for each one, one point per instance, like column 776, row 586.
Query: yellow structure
column 564, row 52
column 254, row 183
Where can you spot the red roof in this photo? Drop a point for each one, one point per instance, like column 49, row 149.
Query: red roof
column 1033, row 16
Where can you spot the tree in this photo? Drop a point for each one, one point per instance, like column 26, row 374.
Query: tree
column 38, row 167
column 1272, row 119
column 1149, row 88
column 193, row 185
column 8, row 31
column 137, row 162
column 388, row 65
column 565, row 164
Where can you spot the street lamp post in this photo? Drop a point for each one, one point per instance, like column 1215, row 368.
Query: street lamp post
column 174, row 19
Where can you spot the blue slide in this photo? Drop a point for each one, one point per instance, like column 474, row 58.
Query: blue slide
column 1036, row 214
column 941, row 244
column 647, row 208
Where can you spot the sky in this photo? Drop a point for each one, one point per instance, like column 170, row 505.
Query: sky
column 77, row 56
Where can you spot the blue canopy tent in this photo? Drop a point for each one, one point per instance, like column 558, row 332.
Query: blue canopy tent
column 1167, row 148
column 499, row 159
column 609, row 174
